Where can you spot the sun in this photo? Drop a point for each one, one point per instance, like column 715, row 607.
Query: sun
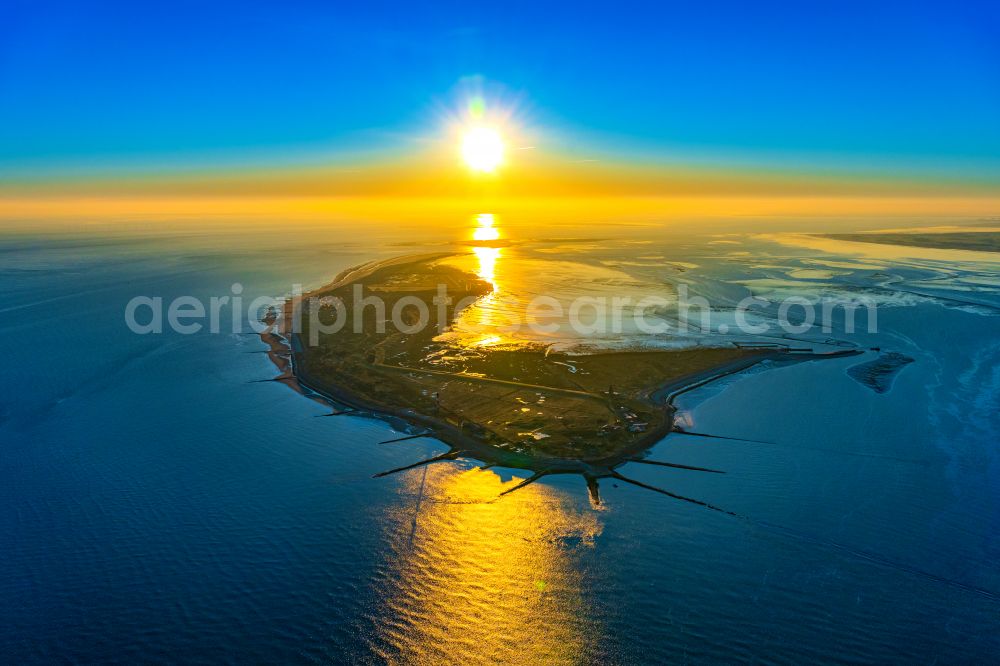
column 482, row 149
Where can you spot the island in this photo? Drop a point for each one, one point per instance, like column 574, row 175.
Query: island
column 523, row 406
column 980, row 241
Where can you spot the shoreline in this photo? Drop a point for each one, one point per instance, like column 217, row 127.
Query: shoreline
column 285, row 350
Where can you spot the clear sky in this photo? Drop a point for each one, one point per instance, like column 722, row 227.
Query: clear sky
column 881, row 87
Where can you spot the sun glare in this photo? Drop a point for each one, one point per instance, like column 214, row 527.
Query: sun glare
column 482, row 149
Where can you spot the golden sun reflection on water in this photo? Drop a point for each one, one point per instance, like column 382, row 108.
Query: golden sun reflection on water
column 487, row 256
column 485, row 233
column 479, row 581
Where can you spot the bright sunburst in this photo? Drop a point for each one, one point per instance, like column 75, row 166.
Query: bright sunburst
column 482, row 149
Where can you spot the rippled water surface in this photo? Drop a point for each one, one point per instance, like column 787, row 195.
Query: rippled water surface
column 159, row 502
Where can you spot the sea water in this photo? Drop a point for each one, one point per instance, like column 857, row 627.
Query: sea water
column 161, row 500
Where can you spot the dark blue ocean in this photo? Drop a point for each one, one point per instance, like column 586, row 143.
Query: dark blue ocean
column 160, row 503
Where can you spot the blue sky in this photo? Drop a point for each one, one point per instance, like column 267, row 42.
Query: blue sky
column 855, row 83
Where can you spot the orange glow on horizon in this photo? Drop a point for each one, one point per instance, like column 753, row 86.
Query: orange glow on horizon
column 109, row 210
